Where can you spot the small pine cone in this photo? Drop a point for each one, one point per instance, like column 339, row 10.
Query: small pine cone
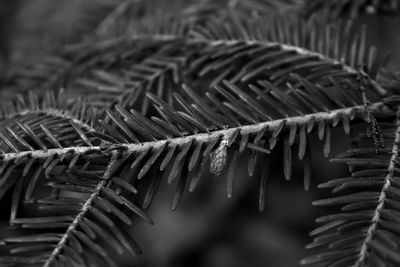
column 218, row 158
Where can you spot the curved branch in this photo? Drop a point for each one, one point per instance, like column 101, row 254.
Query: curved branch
column 382, row 197
column 62, row 114
column 380, row 109
column 364, row 232
column 198, row 51
column 85, row 208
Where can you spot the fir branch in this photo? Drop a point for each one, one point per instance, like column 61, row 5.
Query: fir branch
column 382, row 197
column 51, row 106
column 129, row 132
column 377, row 108
column 128, row 85
column 95, row 195
column 85, row 209
column 371, row 213
column 246, row 84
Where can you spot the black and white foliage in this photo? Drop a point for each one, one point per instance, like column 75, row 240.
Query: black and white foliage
column 150, row 96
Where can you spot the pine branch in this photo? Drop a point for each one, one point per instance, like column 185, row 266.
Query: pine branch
column 78, row 220
column 95, row 212
column 226, row 134
column 245, row 86
column 152, row 16
column 47, row 109
column 174, row 60
column 122, row 151
column 197, row 126
column 364, row 234
column 382, row 197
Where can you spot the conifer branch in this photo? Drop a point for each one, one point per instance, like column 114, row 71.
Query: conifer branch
column 172, row 94
column 382, row 197
column 364, row 233
column 380, row 109
column 85, row 208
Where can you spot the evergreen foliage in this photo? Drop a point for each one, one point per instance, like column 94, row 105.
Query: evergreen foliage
column 169, row 90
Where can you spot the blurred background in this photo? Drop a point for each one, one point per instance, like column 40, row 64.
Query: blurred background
column 208, row 229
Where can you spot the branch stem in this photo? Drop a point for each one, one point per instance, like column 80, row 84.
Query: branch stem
column 377, row 108
column 382, row 197
column 85, row 208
